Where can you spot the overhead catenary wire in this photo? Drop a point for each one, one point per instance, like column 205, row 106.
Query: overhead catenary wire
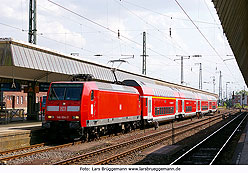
column 168, row 16
column 20, row 29
column 199, row 30
column 102, row 26
column 159, row 30
column 13, row 27
column 217, row 53
column 134, row 46
column 156, row 28
column 69, row 44
column 89, row 20
column 80, row 23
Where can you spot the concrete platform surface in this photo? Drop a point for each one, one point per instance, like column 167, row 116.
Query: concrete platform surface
column 243, row 159
column 19, row 127
column 18, row 135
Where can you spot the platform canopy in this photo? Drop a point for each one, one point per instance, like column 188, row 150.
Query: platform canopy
column 30, row 62
column 233, row 15
column 27, row 62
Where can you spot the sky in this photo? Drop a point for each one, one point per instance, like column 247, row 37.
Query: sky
column 91, row 28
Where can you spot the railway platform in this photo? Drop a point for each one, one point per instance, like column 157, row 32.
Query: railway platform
column 241, row 153
column 18, row 135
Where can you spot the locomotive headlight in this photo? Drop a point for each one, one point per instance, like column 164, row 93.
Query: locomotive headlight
column 50, row 116
column 75, row 117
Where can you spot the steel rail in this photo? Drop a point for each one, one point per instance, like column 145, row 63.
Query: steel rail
column 183, row 155
column 35, row 152
column 21, row 149
column 131, row 151
column 227, row 141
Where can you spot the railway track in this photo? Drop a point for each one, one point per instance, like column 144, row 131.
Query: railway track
column 111, row 153
column 22, row 149
column 38, row 148
column 208, row 150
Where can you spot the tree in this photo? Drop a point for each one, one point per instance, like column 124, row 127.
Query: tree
column 241, row 92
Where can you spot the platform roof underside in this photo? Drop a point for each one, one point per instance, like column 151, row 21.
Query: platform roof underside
column 23, row 61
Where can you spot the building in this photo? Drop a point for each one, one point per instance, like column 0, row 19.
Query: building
column 238, row 99
column 18, row 100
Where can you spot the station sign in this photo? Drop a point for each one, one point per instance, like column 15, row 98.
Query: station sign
column 10, row 87
column 44, row 87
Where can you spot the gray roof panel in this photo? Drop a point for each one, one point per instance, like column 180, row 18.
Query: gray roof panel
column 16, row 56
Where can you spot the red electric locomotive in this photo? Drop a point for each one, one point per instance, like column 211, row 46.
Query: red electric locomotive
column 86, row 108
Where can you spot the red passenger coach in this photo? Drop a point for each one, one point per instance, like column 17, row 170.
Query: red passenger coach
column 161, row 103
column 158, row 102
column 212, row 104
column 91, row 107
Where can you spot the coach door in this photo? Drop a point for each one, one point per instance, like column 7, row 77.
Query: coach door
column 179, row 106
column 149, row 108
column 196, row 106
column 176, row 106
column 182, row 105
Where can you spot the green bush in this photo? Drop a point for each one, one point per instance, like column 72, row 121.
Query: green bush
column 237, row 105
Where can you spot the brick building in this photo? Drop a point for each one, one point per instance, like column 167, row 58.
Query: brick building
column 238, row 99
column 18, row 100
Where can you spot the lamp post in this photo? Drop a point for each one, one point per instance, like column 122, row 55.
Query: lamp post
column 182, row 58
column 213, row 83
column 220, row 89
column 200, row 75
column 226, row 89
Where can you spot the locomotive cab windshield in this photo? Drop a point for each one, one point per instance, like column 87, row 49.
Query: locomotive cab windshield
column 70, row 91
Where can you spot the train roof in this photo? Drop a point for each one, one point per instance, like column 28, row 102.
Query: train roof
column 115, row 87
column 105, row 86
column 169, row 91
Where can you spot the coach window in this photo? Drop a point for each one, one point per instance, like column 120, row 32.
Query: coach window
column 92, row 95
